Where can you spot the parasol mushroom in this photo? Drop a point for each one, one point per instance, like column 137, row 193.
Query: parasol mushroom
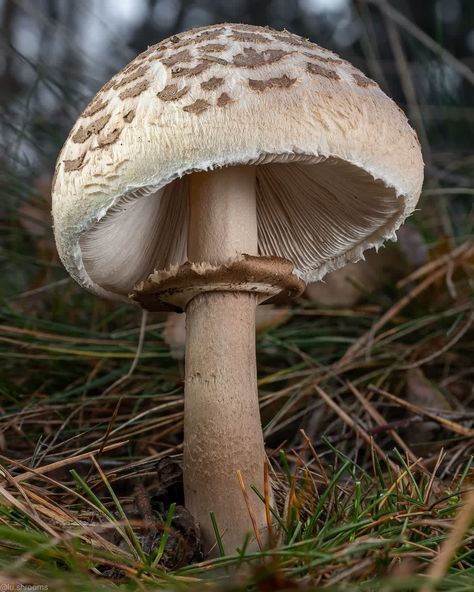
column 224, row 167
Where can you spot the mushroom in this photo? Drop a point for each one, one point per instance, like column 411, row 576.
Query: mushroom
column 225, row 167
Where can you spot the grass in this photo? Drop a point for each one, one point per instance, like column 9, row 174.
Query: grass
column 367, row 412
column 355, row 523
column 361, row 504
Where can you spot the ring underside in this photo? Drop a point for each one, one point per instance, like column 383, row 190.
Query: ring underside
column 271, row 278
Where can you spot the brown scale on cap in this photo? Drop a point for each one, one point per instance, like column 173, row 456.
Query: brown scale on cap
column 138, row 73
column 176, row 46
column 84, row 133
column 275, row 55
column 74, row 165
column 109, row 138
column 292, row 39
column 199, row 51
column 249, row 37
column 318, row 70
column 94, row 107
column 214, row 59
column 172, row 93
column 135, row 90
column 197, row 107
column 178, row 71
column 251, row 58
column 182, row 57
column 137, row 63
column 130, row 116
column 224, row 100
column 198, row 35
column 212, row 83
column 257, row 28
column 282, row 82
column 212, row 34
column 108, row 85
column 155, row 57
column 325, row 59
column 287, row 38
column 211, row 47
column 363, row 81
column 152, row 50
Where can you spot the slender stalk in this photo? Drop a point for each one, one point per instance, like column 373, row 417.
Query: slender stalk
column 222, row 428
column 222, row 215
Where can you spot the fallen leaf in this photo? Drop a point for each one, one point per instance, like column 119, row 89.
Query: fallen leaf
column 413, row 245
column 348, row 285
column 420, row 391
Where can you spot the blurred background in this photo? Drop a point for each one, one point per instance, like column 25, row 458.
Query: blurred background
column 55, row 54
column 78, row 373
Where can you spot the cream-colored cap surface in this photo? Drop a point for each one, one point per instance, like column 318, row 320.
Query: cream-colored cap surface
column 338, row 166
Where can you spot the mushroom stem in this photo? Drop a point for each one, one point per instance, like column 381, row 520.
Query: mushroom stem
column 222, row 428
column 222, row 215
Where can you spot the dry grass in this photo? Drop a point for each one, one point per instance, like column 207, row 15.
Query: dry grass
column 367, row 409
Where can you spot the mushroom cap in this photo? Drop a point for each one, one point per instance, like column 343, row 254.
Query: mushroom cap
column 338, row 166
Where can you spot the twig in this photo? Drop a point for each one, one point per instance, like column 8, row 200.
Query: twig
column 135, row 360
column 440, row 566
column 462, row 331
column 355, row 426
column 370, row 49
column 17, row 504
column 381, row 420
column 61, row 463
column 425, row 39
column 391, row 312
column 106, row 436
column 463, row 250
column 350, row 572
column 267, row 495
column 448, row 424
column 39, row 290
column 249, row 509
column 449, row 191
column 375, row 430
column 400, row 478
column 406, row 80
column 429, row 487
column 316, row 456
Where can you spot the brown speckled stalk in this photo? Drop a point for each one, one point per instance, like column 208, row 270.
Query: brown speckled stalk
column 222, row 429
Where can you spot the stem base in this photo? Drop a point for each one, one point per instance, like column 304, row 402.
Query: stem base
column 222, row 426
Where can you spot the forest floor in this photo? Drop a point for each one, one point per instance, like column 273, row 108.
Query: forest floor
column 366, row 398
column 367, row 406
